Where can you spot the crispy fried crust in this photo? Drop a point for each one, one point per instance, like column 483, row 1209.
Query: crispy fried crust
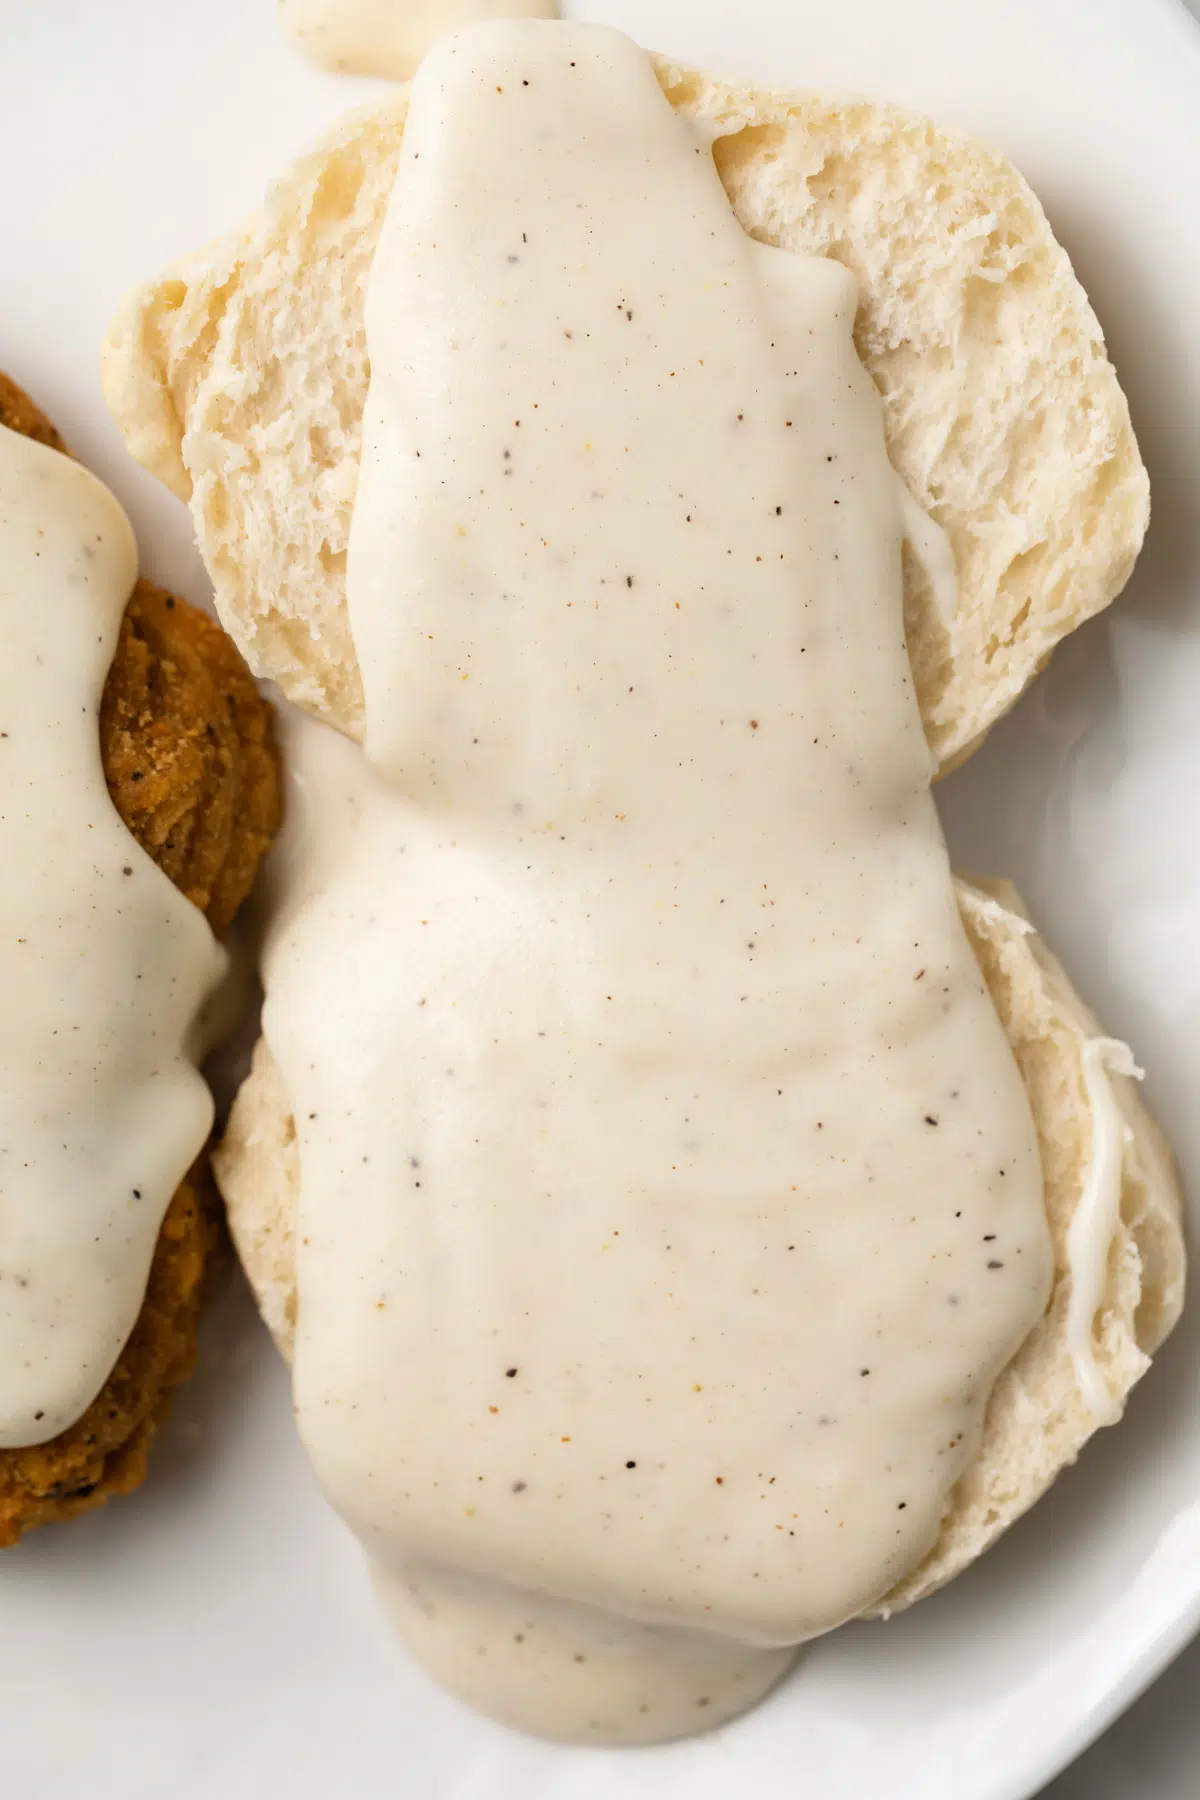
column 188, row 753
column 18, row 412
column 193, row 771
column 105, row 1452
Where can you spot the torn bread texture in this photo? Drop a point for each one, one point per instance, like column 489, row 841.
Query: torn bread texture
column 239, row 378
column 1037, row 1421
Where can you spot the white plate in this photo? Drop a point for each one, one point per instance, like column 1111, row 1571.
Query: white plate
column 215, row 1636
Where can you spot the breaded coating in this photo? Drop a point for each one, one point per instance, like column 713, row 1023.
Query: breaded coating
column 188, row 752
column 105, row 1452
column 193, row 770
column 18, row 412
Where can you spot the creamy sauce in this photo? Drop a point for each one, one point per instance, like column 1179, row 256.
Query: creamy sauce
column 670, row 1196
column 103, row 965
column 1094, row 1221
column 931, row 546
column 558, row 1669
column 388, row 37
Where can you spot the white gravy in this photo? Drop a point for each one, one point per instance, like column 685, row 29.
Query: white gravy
column 670, row 1195
column 1094, row 1221
column 387, row 37
column 103, row 965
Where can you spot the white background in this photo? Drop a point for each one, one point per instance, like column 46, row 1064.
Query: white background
column 1153, row 1753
